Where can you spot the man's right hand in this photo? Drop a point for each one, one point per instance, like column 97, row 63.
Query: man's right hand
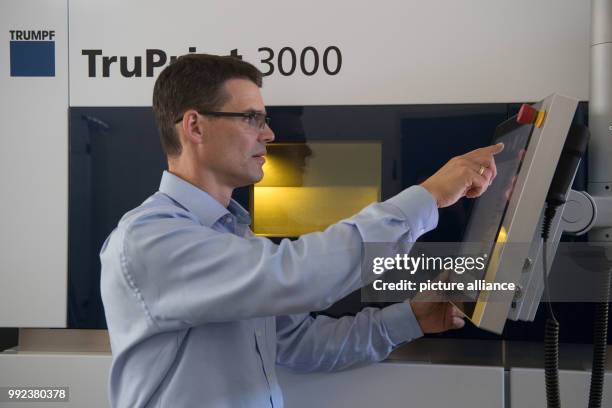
column 468, row 175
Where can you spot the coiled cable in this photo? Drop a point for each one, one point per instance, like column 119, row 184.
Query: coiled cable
column 600, row 344
column 551, row 330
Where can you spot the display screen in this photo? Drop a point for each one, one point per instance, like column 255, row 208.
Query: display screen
column 489, row 209
column 485, row 227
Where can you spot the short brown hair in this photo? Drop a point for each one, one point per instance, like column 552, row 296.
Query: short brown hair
column 194, row 81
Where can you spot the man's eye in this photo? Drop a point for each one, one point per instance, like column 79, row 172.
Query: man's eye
column 252, row 119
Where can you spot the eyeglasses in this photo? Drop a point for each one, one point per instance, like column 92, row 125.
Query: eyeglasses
column 257, row 120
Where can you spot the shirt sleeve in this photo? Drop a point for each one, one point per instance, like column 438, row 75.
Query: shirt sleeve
column 305, row 343
column 184, row 274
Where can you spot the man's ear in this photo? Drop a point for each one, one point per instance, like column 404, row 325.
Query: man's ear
column 193, row 130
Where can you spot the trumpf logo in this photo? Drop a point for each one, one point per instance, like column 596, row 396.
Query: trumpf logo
column 32, row 53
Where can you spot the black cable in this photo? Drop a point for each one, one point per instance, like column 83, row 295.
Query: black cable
column 551, row 331
column 551, row 363
column 573, row 149
column 600, row 344
column 549, row 215
column 551, row 334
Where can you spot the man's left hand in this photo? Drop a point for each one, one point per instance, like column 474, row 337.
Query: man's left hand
column 437, row 317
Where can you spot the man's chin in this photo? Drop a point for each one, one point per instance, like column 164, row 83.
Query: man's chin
column 258, row 178
column 252, row 179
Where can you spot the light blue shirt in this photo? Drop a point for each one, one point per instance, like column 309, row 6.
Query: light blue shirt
column 200, row 310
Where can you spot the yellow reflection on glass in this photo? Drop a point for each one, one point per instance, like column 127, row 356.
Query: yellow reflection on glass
column 307, row 187
column 491, row 273
column 502, row 236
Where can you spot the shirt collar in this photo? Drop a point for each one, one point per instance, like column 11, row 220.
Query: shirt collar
column 199, row 202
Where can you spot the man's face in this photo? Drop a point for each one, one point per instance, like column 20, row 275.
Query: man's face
column 233, row 148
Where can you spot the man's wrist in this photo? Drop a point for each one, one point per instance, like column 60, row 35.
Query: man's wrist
column 401, row 323
column 431, row 191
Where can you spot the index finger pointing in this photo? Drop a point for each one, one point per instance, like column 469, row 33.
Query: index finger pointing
column 494, row 149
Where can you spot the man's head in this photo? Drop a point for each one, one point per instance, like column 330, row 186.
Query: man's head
column 211, row 116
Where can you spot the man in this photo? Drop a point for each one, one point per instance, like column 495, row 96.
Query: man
column 200, row 310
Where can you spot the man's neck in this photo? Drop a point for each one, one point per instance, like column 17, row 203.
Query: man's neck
column 204, row 181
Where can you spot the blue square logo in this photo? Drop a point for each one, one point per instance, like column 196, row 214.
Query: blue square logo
column 32, row 58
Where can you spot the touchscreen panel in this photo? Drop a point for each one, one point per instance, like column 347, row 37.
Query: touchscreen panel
column 485, row 228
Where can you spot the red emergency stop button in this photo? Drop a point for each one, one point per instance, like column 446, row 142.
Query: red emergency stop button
column 527, row 114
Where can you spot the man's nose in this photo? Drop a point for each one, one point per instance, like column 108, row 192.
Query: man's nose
column 266, row 135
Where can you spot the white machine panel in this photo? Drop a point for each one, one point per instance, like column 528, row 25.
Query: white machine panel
column 397, row 385
column 85, row 375
column 33, row 163
column 527, row 389
column 393, row 52
column 386, row 385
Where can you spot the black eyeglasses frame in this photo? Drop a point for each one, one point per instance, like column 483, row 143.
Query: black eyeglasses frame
column 247, row 115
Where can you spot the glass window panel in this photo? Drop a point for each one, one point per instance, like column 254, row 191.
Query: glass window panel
column 309, row 186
